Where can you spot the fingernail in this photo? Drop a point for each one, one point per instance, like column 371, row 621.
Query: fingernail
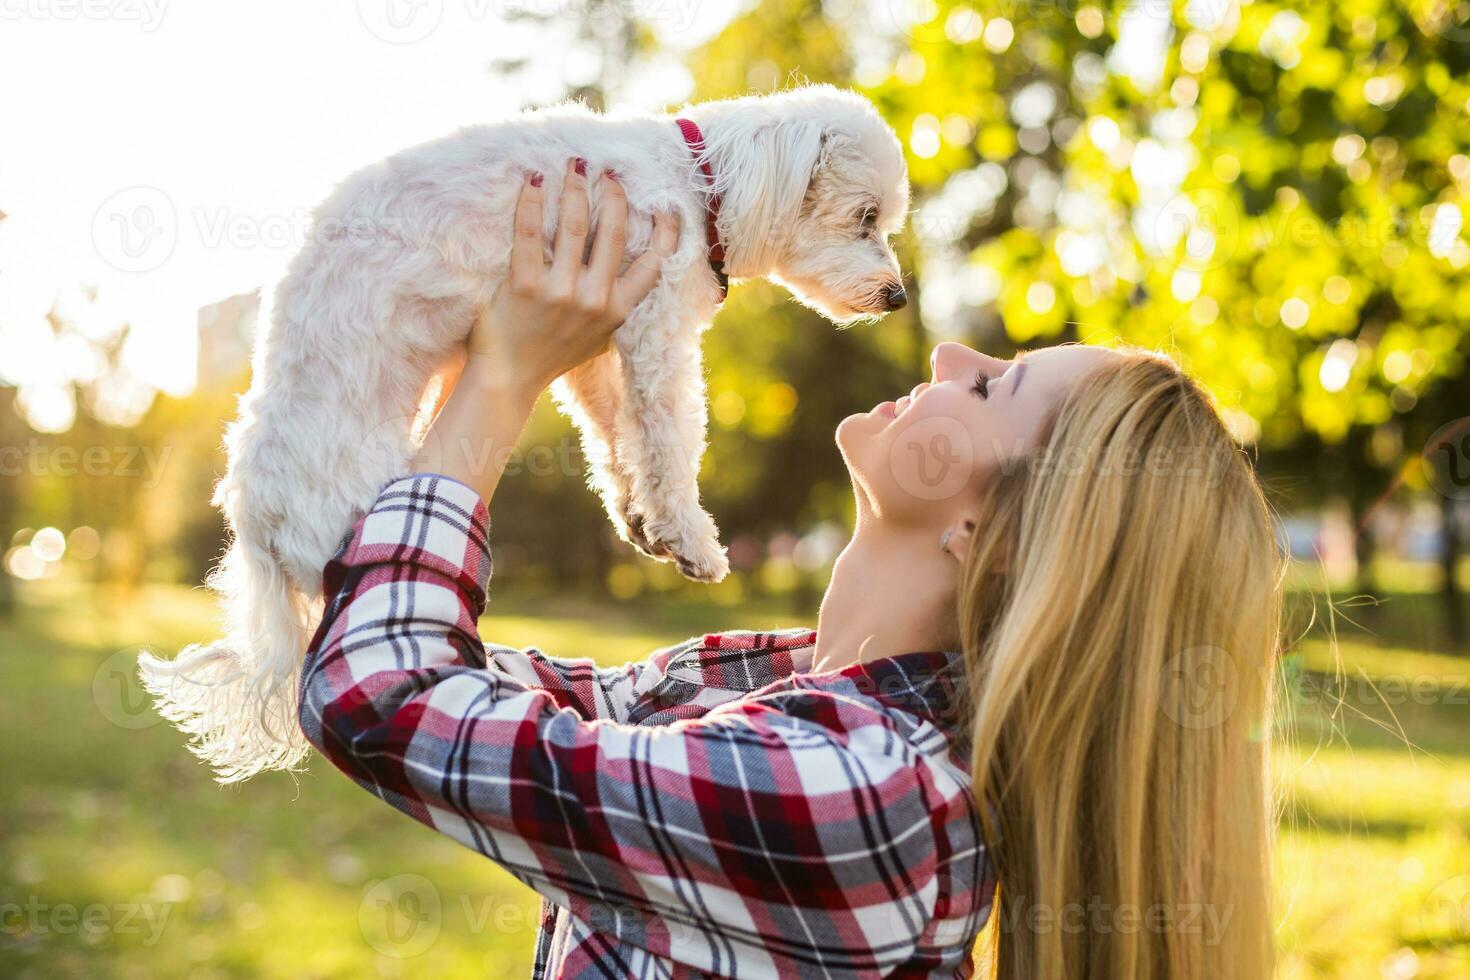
column 536, row 179
column 581, row 167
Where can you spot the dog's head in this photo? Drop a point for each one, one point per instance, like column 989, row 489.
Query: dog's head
column 813, row 185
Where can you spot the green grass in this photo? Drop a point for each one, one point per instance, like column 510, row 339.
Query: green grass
column 119, row 857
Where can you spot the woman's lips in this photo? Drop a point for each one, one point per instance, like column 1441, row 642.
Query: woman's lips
column 895, row 409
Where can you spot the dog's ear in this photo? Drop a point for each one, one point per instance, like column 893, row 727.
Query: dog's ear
column 766, row 171
column 835, row 142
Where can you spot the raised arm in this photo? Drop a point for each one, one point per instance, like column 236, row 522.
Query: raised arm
column 542, row 322
column 791, row 822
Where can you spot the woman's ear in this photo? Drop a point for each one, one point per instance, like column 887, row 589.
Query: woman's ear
column 955, row 541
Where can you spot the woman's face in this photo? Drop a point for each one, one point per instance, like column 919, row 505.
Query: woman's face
column 919, row 460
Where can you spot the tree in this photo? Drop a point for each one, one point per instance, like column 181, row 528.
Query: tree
column 1274, row 192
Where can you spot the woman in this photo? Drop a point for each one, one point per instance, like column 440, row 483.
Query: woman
column 1059, row 599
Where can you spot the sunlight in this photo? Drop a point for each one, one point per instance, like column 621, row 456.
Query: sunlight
column 180, row 150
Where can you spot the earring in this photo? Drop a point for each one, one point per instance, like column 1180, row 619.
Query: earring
column 944, row 540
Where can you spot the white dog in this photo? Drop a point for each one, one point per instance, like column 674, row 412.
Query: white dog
column 802, row 186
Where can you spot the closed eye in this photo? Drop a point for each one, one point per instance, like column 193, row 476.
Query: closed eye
column 981, row 386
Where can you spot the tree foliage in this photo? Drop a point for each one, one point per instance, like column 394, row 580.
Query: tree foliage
column 1272, row 191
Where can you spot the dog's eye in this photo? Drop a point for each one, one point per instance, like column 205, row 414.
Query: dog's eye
column 869, row 218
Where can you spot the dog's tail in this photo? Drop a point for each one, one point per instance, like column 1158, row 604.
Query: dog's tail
column 237, row 698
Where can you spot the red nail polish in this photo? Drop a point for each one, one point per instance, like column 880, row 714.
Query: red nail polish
column 581, row 167
column 536, row 179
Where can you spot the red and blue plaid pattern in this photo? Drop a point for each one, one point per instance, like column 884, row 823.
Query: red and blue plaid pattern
column 717, row 809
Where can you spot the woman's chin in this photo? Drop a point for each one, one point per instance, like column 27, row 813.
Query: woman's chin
column 855, row 431
column 862, row 423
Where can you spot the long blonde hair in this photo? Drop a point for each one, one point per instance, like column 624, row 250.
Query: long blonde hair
column 1120, row 620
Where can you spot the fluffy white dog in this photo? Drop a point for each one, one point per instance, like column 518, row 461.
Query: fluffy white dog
column 803, row 186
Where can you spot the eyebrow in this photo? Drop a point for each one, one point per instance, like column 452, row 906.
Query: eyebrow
column 1020, row 370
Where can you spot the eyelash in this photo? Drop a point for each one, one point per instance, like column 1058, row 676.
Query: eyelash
column 981, row 386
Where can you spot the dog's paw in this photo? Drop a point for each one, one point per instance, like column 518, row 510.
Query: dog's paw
column 710, row 568
column 634, row 524
column 698, row 556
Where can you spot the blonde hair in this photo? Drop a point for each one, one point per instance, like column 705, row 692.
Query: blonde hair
column 1120, row 607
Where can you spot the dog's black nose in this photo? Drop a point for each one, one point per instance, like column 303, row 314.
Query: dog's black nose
column 895, row 298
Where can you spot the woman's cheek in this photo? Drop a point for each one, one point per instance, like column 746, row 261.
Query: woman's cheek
column 932, row 458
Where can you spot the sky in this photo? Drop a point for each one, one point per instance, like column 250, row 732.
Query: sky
column 166, row 154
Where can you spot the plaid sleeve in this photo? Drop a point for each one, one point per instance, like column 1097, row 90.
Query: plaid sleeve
column 575, row 683
column 796, row 824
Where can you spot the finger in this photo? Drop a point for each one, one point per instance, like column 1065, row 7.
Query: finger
column 526, row 263
column 641, row 276
column 442, row 384
column 612, row 236
column 571, row 231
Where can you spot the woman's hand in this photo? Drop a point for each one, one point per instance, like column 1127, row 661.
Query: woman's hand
column 547, row 319
column 542, row 322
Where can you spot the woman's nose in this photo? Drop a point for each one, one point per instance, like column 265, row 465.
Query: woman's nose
column 951, row 360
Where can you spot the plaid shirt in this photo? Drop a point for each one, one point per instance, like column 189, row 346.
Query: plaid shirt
column 716, row 809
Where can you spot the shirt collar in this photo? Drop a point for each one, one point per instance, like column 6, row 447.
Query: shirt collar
column 925, row 684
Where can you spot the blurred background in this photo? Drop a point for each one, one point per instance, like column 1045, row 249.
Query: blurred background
column 1274, row 193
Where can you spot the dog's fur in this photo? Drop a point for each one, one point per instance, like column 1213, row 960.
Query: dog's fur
column 400, row 257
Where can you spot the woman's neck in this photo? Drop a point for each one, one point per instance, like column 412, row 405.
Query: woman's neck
column 885, row 598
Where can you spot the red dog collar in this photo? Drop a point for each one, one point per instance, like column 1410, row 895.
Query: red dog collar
column 695, row 140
